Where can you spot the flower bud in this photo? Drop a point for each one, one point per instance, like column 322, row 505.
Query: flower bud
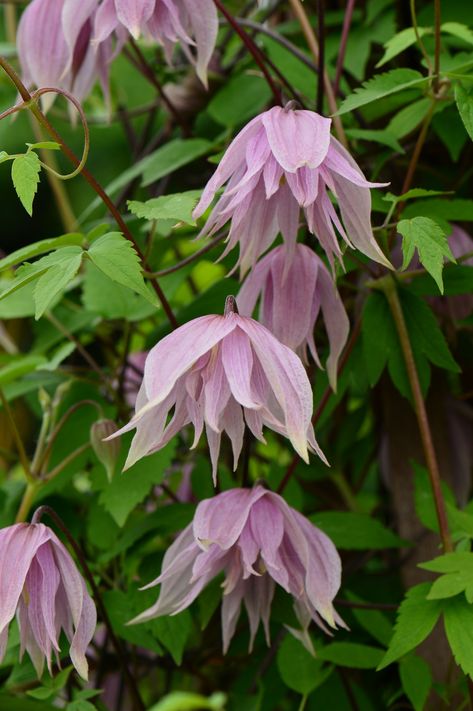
column 107, row 452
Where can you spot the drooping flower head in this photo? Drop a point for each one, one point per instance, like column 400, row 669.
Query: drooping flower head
column 40, row 582
column 258, row 541
column 222, row 372
column 193, row 23
column 284, row 160
column 55, row 48
column 292, row 294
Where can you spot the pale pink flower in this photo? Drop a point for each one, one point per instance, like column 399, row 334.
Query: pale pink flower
column 292, row 294
column 257, row 540
column 55, row 48
column 193, row 23
column 222, row 371
column 284, row 160
column 40, row 582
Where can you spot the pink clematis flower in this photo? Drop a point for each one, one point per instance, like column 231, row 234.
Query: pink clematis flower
column 292, row 294
column 193, row 23
column 257, row 540
column 40, row 582
column 284, row 160
column 55, row 48
column 222, row 371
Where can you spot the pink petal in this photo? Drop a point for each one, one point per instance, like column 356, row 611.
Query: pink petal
column 297, row 138
column 134, row 14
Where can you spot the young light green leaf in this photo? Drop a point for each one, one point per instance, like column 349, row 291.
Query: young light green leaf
column 176, row 207
column 458, row 621
column 401, row 41
column 464, row 101
column 412, row 195
column 190, row 701
column 380, row 86
column 114, row 256
column 416, row 619
column 47, row 145
column 431, row 242
column 36, row 248
column 25, row 172
column 456, row 29
column 355, row 531
column 4, row 156
column 19, row 366
column 416, row 680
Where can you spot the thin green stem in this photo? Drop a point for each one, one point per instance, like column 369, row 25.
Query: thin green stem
column 27, row 501
column 66, row 461
column 389, row 287
column 25, row 463
column 418, row 37
column 437, row 20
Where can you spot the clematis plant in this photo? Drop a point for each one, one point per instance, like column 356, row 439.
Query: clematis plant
column 258, row 541
column 283, row 160
column 291, row 296
column 41, row 584
column 222, row 372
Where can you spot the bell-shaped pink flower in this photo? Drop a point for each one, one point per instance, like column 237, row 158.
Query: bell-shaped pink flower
column 284, row 160
column 193, row 23
column 55, row 48
column 292, row 294
column 257, row 540
column 40, row 582
column 222, row 371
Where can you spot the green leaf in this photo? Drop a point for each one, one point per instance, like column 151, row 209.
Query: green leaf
column 431, row 242
column 177, row 207
column 55, row 280
column 127, row 490
column 458, row 621
column 408, row 118
column 385, row 137
column 173, row 155
column 464, row 101
column 458, row 210
column 123, row 607
column 298, row 669
column 240, row 99
column 416, row 680
column 36, row 248
column 456, row 29
column 25, row 172
column 29, row 272
column 412, row 195
column 380, row 86
column 355, row 531
column 425, row 333
column 416, row 619
column 101, row 295
column 51, row 686
column 458, row 575
column 379, row 336
column 114, row 256
column 80, row 705
column 352, row 655
column 373, row 621
column 173, row 632
column 20, row 703
column 19, row 366
column 189, row 701
column 401, row 41
column 47, row 145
